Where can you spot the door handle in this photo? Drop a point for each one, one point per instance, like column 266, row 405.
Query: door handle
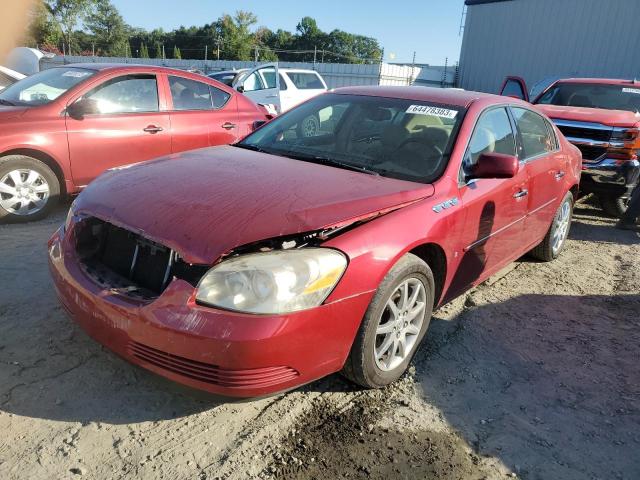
column 272, row 96
column 152, row 129
column 228, row 126
column 521, row 193
column 559, row 175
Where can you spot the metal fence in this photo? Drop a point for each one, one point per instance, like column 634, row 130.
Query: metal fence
column 335, row 74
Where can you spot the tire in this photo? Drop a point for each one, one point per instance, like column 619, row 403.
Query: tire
column 555, row 239
column 614, row 206
column 309, row 126
column 364, row 366
column 38, row 192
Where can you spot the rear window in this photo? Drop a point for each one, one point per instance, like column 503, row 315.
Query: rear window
column 306, row 80
column 609, row 97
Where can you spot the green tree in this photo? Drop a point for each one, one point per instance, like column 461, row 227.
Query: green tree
column 144, row 51
column 42, row 28
column 158, row 49
column 236, row 34
column 108, row 28
column 176, row 53
column 68, row 14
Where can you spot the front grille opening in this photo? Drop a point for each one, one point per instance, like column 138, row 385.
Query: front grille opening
column 122, row 260
column 596, row 134
column 591, row 153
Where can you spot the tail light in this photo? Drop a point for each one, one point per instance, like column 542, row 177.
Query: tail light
column 624, row 144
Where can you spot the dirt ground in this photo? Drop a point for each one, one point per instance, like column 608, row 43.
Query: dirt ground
column 532, row 375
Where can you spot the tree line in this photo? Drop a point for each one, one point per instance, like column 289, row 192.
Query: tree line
column 96, row 27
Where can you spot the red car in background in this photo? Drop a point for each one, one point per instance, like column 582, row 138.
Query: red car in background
column 62, row 127
column 601, row 117
column 257, row 267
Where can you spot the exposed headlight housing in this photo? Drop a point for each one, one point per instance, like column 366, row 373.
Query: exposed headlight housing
column 70, row 215
column 274, row 282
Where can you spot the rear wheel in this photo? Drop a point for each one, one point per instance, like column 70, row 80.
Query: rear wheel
column 556, row 237
column 614, row 206
column 28, row 189
column 393, row 326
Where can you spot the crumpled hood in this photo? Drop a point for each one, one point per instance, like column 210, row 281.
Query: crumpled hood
column 613, row 118
column 206, row 202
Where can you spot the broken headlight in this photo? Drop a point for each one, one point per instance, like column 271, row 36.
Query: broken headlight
column 274, row 282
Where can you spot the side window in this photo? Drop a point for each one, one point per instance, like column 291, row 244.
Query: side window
column 492, row 133
column 283, row 84
column 218, row 97
column 513, row 88
column 306, row 81
column 5, row 81
column 253, row 83
column 555, row 144
column 536, row 139
column 189, row 94
column 269, row 76
column 126, row 94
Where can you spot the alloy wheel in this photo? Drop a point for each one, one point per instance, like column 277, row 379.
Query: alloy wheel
column 561, row 227
column 23, row 192
column 400, row 324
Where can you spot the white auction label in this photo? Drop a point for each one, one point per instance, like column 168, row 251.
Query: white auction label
column 434, row 111
column 631, row 90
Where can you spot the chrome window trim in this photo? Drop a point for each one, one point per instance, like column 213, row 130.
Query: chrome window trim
column 576, row 124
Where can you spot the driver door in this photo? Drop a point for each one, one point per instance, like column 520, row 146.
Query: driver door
column 126, row 127
column 262, row 85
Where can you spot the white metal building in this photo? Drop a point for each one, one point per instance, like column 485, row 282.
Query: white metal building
column 538, row 39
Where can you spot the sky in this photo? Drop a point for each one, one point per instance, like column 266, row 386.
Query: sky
column 428, row 27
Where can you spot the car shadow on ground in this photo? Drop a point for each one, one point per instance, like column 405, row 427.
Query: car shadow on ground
column 547, row 384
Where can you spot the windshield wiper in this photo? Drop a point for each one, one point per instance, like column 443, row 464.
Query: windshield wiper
column 253, row 148
column 309, row 157
column 7, row 102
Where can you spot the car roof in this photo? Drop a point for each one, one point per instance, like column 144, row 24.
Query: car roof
column 447, row 96
column 123, row 66
column 600, row 81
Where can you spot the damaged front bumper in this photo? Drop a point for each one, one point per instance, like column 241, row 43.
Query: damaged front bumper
column 227, row 353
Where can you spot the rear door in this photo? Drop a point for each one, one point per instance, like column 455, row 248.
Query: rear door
column 201, row 114
column 495, row 207
column 262, row 85
column 546, row 166
column 128, row 127
column 515, row 87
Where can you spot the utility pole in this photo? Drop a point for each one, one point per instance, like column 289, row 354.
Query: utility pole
column 256, row 56
column 206, row 50
column 413, row 66
column 93, row 52
column 444, row 73
column 163, row 55
column 218, row 42
column 315, row 52
column 322, row 58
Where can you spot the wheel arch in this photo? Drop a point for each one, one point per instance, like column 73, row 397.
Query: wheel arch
column 434, row 256
column 45, row 158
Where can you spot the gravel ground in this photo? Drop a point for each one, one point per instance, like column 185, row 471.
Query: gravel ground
column 532, row 375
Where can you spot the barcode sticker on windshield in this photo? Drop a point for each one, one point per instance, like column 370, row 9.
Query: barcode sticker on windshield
column 435, row 111
column 74, row 74
column 631, row 90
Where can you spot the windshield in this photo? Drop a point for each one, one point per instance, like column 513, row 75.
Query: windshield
column 43, row 87
column 591, row 95
column 404, row 139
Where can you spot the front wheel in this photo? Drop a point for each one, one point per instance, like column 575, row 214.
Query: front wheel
column 556, row 237
column 393, row 326
column 28, row 189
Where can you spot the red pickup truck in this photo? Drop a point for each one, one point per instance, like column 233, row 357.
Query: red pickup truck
column 602, row 118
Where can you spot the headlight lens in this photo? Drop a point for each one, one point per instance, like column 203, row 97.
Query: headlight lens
column 273, row 282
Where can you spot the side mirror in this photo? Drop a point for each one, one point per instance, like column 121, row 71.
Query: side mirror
column 240, row 88
column 77, row 110
column 495, row 165
column 258, row 123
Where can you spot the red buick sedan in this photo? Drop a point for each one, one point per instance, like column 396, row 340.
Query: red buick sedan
column 62, row 127
column 255, row 268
